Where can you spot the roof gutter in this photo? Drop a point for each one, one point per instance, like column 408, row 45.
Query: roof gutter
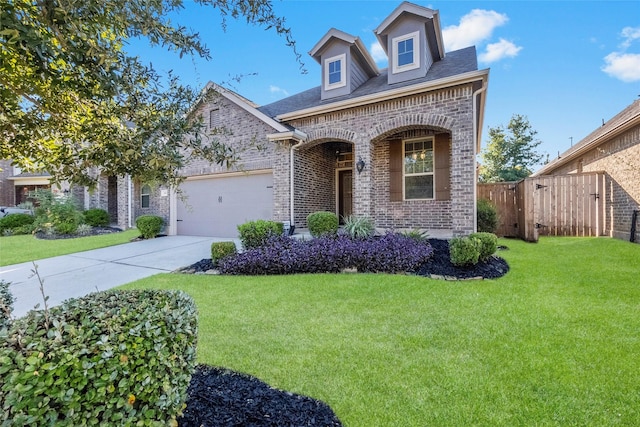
column 458, row 79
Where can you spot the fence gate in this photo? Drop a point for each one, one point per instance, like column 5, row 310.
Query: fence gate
column 554, row 205
column 567, row 205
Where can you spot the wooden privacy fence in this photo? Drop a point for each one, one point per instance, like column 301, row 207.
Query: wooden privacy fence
column 554, row 205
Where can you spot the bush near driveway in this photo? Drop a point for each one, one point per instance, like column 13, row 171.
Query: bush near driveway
column 111, row 358
column 254, row 234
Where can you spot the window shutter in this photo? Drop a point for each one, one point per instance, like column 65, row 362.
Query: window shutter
column 395, row 170
column 442, row 153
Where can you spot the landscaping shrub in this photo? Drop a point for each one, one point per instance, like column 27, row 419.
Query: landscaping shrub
column 321, row 223
column 17, row 223
column 487, row 216
column 254, row 234
column 359, row 227
column 6, row 304
column 111, row 358
column 464, row 251
column 149, row 226
column 419, row 235
column 221, row 250
column 56, row 213
column 391, row 253
column 97, row 217
column 488, row 244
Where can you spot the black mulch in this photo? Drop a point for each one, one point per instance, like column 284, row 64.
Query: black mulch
column 95, row 231
column 438, row 265
column 220, row 397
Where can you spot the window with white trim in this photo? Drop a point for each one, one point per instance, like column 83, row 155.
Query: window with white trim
column 418, row 176
column 334, row 72
column 406, row 52
column 145, row 196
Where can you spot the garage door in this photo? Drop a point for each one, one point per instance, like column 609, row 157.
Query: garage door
column 216, row 206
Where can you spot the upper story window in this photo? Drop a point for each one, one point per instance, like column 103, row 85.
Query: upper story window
column 406, row 52
column 145, row 196
column 334, row 72
column 418, row 169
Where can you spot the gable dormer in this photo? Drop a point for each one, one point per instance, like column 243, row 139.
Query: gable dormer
column 346, row 63
column 412, row 39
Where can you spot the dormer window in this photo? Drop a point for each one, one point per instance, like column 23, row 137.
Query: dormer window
column 406, row 50
column 334, row 72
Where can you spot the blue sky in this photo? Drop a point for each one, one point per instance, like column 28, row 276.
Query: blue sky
column 566, row 65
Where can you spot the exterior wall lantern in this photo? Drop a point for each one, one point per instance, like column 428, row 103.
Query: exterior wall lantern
column 360, row 165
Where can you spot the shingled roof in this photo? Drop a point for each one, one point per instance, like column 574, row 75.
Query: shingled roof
column 454, row 63
column 622, row 121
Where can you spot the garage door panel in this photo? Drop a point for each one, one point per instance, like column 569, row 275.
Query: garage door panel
column 216, row 206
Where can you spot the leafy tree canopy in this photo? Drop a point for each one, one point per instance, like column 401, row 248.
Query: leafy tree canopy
column 510, row 153
column 72, row 101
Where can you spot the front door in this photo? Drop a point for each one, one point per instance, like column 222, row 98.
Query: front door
column 345, row 193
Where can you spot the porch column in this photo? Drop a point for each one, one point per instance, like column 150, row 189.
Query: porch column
column 463, row 180
column 363, row 181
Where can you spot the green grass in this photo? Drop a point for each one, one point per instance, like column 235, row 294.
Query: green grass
column 25, row 248
column 554, row 342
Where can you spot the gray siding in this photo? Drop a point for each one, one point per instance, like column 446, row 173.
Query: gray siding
column 403, row 28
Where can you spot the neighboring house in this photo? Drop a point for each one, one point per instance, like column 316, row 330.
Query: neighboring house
column 397, row 145
column 614, row 149
column 16, row 185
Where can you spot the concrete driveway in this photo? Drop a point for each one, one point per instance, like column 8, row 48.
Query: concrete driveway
column 76, row 275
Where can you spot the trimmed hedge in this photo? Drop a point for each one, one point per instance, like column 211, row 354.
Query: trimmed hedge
column 16, row 223
column 221, row 250
column 6, row 304
column 464, row 251
column 488, row 244
column 254, row 234
column 97, row 217
column 111, row 358
column 149, row 225
column 391, row 253
column 322, row 223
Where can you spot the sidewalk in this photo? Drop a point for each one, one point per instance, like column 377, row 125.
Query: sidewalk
column 76, row 275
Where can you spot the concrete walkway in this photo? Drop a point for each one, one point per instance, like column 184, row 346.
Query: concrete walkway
column 78, row 274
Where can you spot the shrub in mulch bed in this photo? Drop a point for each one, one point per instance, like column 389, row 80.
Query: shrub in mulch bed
column 440, row 265
column 220, row 397
column 391, row 253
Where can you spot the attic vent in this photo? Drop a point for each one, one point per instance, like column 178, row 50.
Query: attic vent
column 214, row 118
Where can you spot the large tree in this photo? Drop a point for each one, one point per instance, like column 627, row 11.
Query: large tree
column 72, row 101
column 510, row 153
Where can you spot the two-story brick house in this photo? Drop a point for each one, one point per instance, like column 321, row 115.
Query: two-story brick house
column 397, row 145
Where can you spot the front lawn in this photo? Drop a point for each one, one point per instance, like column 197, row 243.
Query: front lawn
column 25, row 248
column 554, row 342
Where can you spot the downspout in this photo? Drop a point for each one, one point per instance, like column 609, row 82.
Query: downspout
column 475, row 144
column 291, row 175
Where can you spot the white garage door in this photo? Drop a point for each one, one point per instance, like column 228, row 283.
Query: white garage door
column 216, row 206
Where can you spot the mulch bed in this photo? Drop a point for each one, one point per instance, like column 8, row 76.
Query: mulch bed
column 95, row 231
column 220, row 397
column 438, row 267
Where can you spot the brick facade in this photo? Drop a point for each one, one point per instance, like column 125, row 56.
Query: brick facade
column 369, row 129
column 620, row 159
column 7, row 192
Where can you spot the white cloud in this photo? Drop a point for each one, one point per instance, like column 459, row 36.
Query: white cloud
column 377, row 52
column 278, row 90
column 623, row 66
column 630, row 35
column 497, row 51
column 474, row 27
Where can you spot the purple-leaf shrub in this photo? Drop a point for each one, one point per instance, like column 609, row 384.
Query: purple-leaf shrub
column 391, row 253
